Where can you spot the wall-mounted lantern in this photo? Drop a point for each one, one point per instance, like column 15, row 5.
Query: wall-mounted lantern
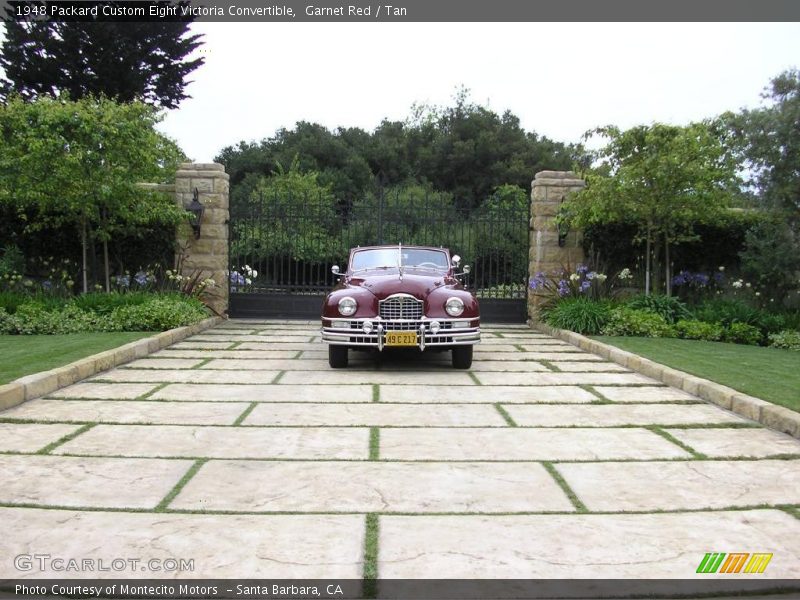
column 196, row 209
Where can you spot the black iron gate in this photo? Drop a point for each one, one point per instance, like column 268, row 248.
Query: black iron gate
column 282, row 248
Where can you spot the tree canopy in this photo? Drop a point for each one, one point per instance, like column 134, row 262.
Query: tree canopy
column 665, row 179
column 769, row 140
column 465, row 150
column 79, row 162
column 124, row 61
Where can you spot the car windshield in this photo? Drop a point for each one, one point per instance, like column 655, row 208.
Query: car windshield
column 387, row 258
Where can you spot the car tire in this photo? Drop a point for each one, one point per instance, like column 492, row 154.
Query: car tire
column 337, row 356
column 462, row 357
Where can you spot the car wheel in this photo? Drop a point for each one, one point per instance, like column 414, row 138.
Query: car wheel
column 337, row 356
column 462, row 357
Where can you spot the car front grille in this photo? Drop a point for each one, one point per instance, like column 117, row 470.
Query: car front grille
column 400, row 307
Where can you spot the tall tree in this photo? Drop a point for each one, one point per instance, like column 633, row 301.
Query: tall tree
column 77, row 163
column 124, row 61
column 769, row 138
column 662, row 178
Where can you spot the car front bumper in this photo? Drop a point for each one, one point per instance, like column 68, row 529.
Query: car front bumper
column 352, row 332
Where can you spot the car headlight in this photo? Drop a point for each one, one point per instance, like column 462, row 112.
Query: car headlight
column 347, row 306
column 454, row 306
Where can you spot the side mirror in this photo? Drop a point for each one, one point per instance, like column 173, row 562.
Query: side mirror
column 335, row 269
column 456, row 259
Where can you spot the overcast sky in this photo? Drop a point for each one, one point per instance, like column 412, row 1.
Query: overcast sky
column 559, row 79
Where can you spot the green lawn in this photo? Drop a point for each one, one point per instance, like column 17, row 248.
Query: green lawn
column 25, row 354
column 767, row 373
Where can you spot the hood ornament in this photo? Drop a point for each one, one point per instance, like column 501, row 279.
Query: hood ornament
column 400, row 260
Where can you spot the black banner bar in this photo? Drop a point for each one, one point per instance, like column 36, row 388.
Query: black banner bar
column 421, row 589
column 398, row 11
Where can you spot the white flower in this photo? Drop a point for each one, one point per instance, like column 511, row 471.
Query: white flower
column 722, row 269
column 600, row 277
column 248, row 281
column 625, row 273
column 737, row 284
column 255, row 273
column 748, row 284
column 574, row 277
column 758, row 293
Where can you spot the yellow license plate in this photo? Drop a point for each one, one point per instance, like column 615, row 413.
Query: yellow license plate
column 401, row 338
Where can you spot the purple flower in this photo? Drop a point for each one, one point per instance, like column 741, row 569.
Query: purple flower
column 140, row 278
column 237, row 278
column 581, row 269
column 47, row 284
column 563, row 288
column 701, row 279
column 538, row 281
column 590, row 275
column 585, row 287
column 123, row 280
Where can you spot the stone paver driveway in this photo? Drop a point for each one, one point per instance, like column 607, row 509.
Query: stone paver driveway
column 241, row 449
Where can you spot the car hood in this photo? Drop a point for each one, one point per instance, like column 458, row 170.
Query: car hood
column 385, row 285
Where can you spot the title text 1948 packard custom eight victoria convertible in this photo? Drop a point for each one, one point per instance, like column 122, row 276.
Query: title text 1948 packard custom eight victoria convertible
column 400, row 296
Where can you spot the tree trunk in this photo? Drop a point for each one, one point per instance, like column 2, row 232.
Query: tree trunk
column 105, row 252
column 105, row 265
column 656, row 266
column 647, row 266
column 667, row 268
column 83, row 256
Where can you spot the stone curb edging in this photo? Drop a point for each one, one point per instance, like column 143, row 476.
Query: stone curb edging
column 38, row 384
column 766, row 413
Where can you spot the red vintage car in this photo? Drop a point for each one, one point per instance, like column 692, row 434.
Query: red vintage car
column 401, row 296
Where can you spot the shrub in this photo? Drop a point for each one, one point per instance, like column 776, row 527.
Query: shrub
column 580, row 315
column 742, row 333
column 669, row 307
column 33, row 318
column 158, row 314
column 728, row 312
column 788, row 339
column 8, row 323
column 699, row 330
column 100, row 302
column 628, row 321
column 145, row 313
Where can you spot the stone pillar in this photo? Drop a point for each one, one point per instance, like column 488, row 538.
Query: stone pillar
column 548, row 191
column 209, row 253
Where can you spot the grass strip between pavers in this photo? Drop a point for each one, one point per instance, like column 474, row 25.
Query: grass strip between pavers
column 376, row 392
column 374, row 443
column 202, row 363
column 146, row 395
column 671, row 438
column 504, row 413
column 370, row 573
column 165, row 502
column 474, row 378
column 245, row 414
column 562, row 483
column 549, row 365
column 63, row 440
column 601, row 399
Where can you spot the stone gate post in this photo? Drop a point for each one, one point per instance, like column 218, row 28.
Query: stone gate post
column 209, row 252
column 548, row 191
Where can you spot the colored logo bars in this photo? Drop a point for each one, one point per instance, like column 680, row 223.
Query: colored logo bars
column 716, row 562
